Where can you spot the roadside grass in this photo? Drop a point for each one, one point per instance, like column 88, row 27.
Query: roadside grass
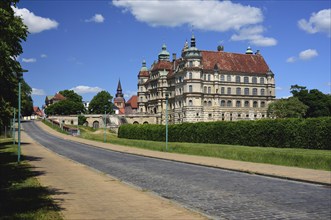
column 304, row 158
column 21, row 195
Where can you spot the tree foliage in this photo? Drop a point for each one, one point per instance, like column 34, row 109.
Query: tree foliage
column 12, row 33
column 100, row 103
column 70, row 106
column 287, row 108
column 319, row 104
column 71, row 95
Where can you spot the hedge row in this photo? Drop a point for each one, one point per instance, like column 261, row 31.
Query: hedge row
column 313, row 133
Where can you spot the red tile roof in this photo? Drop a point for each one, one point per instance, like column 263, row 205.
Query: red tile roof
column 143, row 73
column 58, row 96
column 233, row 62
column 160, row 65
column 133, row 102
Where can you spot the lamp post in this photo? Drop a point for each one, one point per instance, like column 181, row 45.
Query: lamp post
column 167, row 97
column 14, row 128
column 78, row 133
column 19, row 77
column 104, row 133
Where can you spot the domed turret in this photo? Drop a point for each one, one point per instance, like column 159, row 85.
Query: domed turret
column 143, row 66
column 249, row 50
column 164, row 54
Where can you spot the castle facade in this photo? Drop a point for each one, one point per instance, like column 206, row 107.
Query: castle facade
column 205, row 86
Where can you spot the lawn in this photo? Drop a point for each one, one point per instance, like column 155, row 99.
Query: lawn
column 21, row 195
column 305, row 158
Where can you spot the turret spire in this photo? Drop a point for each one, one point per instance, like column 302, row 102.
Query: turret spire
column 119, row 89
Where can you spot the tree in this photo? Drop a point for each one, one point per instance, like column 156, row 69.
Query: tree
column 71, row 95
column 319, row 104
column 99, row 102
column 12, row 33
column 70, row 106
column 287, row 108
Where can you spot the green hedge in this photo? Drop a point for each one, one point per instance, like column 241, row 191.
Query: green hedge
column 313, row 133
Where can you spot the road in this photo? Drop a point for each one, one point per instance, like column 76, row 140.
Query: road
column 218, row 193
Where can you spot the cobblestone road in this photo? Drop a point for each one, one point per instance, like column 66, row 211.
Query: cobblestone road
column 218, row 193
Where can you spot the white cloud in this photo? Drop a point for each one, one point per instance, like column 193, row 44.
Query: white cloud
column 291, row 59
column 209, row 15
column 128, row 94
column 40, row 92
column 253, row 35
column 36, row 24
column 279, row 88
column 318, row 22
column 97, row 18
column 86, row 89
column 308, row 54
column 328, row 84
column 43, row 56
column 29, row 60
column 303, row 55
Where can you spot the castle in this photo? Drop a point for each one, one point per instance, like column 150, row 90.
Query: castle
column 205, row 86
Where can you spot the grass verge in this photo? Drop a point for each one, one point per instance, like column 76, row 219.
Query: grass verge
column 304, row 158
column 21, row 195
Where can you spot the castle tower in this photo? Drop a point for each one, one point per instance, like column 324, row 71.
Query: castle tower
column 119, row 101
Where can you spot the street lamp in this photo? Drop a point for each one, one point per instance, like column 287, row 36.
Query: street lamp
column 19, row 77
column 14, row 128
column 104, row 133
column 167, row 97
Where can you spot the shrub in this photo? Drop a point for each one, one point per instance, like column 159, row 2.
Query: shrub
column 313, row 133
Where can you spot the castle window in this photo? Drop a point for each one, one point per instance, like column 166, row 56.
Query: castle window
column 238, row 91
column 237, row 79
column 190, row 89
column 190, row 75
column 209, row 103
column 208, row 77
column 204, row 77
column 228, row 78
column 229, row 103
column 246, row 91
column 254, row 91
column 246, row 79
column 238, row 104
column 246, row 104
column 222, row 78
column 262, row 80
column 209, row 90
column 255, row 104
column 204, row 103
column 190, row 102
column 210, row 115
column 262, row 104
column 190, row 64
column 254, row 80
column 229, row 91
column 222, row 90
column 262, row 91
column 205, row 89
column 141, row 99
column 223, row 103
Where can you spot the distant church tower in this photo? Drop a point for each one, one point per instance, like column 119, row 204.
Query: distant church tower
column 119, row 101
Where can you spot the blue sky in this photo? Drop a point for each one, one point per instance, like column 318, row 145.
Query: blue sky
column 88, row 46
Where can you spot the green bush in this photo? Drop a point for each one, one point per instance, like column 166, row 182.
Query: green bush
column 312, row 133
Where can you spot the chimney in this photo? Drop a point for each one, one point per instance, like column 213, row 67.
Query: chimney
column 174, row 56
column 257, row 52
